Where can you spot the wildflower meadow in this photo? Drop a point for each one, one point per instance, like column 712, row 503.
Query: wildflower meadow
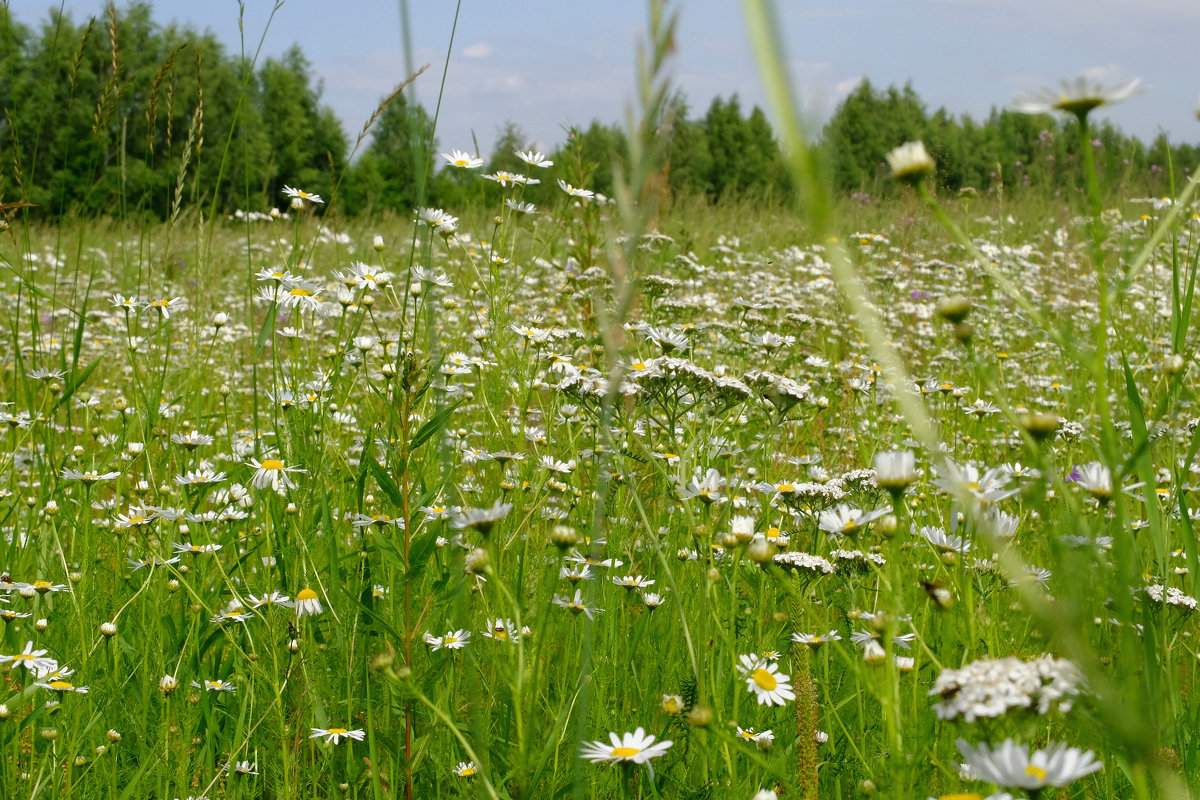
column 578, row 494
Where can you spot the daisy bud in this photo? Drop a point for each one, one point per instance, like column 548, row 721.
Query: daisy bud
column 377, row 243
column 1040, row 426
column 297, row 203
column 5, row 713
column 108, row 628
column 760, row 551
column 701, row 716
column 167, row 684
column 220, row 319
column 51, row 508
column 477, row 561
column 563, row 537
column 80, row 761
column 293, row 647
column 41, row 624
column 368, row 300
column 49, row 734
column 113, row 736
column 954, row 309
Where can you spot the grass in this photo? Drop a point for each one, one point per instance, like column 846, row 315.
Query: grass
column 546, row 472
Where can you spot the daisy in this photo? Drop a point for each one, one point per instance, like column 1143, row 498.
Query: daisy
column 765, row 681
column 846, row 519
column 33, row 660
column 910, row 162
column 763, row 739
column 192, row 439
column 301, row 195
column 215, row 686
column 534, row 159
column 815, row 640
column 895, row 470
column 272, row 472
column 335, row 735
column 165, row 305
column 633, row 582
column 1076, row 96
column 577, row 604
column 1013, row 766
column 200, row 477
column 88, row 478
column 499, row 629
column 454, row 640
column 582, row 194
column 464, row 160
column 465, row 769
column 61, row 686
column 633, row 748
column 308, row 604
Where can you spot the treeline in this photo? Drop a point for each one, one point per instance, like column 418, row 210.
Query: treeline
column 1018, row 151
column 123, row 116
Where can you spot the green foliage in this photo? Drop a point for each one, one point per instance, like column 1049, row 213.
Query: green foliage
column 397, row 162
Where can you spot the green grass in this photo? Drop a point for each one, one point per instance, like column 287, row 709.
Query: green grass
column 571, row 373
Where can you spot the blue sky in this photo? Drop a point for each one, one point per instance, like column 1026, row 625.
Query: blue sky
column 546, row 64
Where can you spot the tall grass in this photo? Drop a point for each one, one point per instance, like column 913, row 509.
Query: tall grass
column 438, row 505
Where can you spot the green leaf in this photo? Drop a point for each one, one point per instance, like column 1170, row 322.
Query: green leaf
column 419, row 551
column 385, row 482
column 435, row 424
column 268, row 329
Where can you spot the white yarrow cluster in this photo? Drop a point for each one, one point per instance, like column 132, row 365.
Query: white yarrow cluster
column 992, row 687
column 804, row 561
column 1169, row 595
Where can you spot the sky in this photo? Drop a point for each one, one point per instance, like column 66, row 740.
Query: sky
column 550, row 64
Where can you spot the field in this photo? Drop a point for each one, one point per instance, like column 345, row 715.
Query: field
column 579, row 496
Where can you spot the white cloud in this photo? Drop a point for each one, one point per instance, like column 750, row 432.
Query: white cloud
column 480, row 50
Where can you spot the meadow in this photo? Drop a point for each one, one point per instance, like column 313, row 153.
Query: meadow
column 586, row 496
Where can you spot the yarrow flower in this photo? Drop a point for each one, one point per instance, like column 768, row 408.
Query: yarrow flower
column 992, row 687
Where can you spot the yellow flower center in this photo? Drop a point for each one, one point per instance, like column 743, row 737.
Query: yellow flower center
column 784, row 487
column 765, row 680
column 1036, row 772
column 306, row 594
column 60, row 686
column 467, row 772
column 298, row 292
column 272, row 464
column 450, row 640
column 337, row 730
column 625, row 752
